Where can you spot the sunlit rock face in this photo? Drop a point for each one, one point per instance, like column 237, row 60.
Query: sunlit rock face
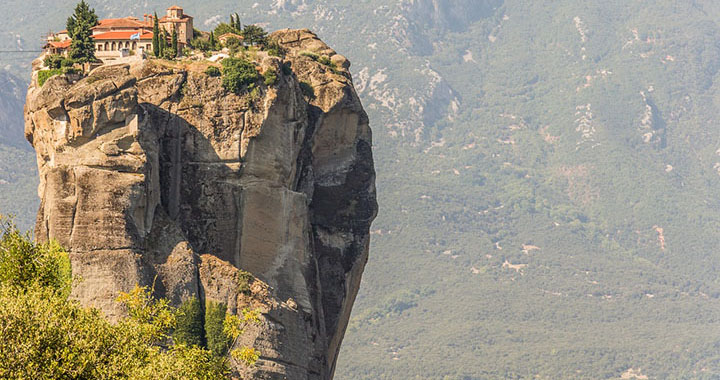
column 153, row 174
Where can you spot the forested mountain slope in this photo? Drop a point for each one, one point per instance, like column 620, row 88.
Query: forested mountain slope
column 548, row 176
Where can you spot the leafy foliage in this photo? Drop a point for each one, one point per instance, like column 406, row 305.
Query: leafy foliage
column 238, row 74
column 254, row 35
column 224, row 28
column 48, row 336
column 270, row 77
column 44, row 75
column 56, row 61
column 213, row 71
column 246, row 355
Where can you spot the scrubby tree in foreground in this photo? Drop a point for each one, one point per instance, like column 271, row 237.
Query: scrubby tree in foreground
column 45, row 335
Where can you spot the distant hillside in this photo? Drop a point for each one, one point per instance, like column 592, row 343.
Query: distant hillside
column 548, row 175
column 12, row 99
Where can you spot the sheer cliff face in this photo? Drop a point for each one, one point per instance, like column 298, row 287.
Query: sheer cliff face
column 153, row 174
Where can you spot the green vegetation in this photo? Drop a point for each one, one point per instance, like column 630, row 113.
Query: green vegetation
column 174, row 43
column 217, row 340
column 213, row 71
column 246, row 355
column 56, row 61
column 274, row 48
column 189, row 329
column 245, row 279
column 44, row 75
column 156, row 36
column 79, row 27
column 238, row 74
column 234, row 45
column 270, row 77
column 48, row 336
column 254, row 35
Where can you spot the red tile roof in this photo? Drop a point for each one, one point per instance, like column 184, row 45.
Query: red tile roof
column 124, row 35
column 184, row 18
column 127, row 22
column 60, row 44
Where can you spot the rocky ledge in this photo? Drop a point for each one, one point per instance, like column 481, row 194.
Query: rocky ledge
column 152, row 174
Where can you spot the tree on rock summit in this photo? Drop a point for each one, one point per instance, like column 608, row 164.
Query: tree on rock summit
column 79, row 27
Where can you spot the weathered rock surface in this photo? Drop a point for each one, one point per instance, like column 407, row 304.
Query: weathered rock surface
column 152, row 174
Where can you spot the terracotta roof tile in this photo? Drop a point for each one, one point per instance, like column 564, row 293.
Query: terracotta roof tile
column 60, row 44
column 123, row 35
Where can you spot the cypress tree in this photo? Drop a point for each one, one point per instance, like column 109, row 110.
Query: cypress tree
column 163, row 41
column 156, row 37
column 237, row 25
column 212, row 41
column 79, row 26
column 217, row 342
column 190, row 326
column 174, row 40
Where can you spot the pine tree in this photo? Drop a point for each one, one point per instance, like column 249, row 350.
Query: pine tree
column 79, row 27
column 254, row 35
column 156, row 37
column 174, row 40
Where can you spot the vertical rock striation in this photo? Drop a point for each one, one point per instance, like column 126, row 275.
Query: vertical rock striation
column 152, row 174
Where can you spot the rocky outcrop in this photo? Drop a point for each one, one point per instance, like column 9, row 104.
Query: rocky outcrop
column 152, row 174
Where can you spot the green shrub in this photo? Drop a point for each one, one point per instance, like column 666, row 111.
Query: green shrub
column 66, row 62
column 217, row 341
column 270, row 77
column 275, row 49
column 310, row 55
column 44, row 75
column 307, row 90
column 190, row 329
column 237, row 74
column 24, row 263
column 45, row 335
column 169, row 53
column 322, row 59
column 326, row 61
column 246, row 355
column 213, row 71
column 53, row 61
column 233, row 44
column 244, row 281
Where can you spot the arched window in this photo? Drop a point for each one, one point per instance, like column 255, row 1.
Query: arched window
column 107, row 45
column 134, row 45
column 113, row 46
